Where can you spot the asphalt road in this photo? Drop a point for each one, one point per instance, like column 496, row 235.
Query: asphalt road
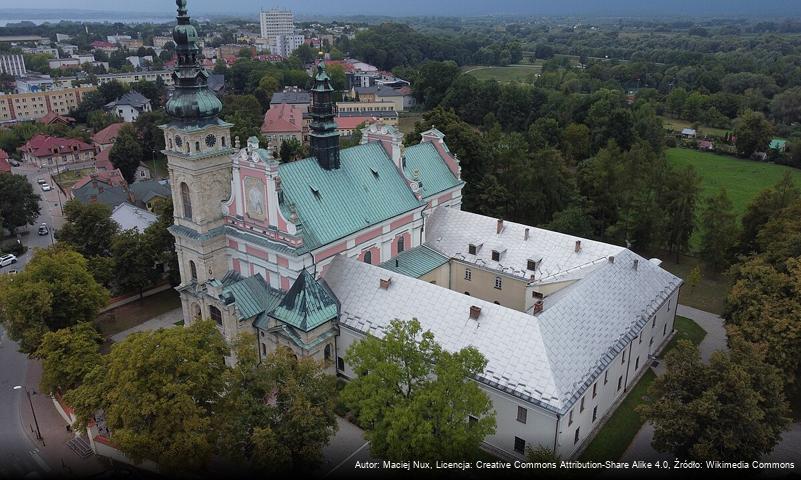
column 50, row 214
column 18, row 454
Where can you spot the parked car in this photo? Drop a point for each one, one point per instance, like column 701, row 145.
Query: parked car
column 7, row 260
column 14, row 163
column 43, row 230
column 46, row 187
column 12, row 272
column 41, row 181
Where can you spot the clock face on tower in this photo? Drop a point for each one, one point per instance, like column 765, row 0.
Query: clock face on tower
column 210, row 140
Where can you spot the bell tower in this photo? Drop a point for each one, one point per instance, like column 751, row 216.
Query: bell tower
column 198, row 149
column 324, row 139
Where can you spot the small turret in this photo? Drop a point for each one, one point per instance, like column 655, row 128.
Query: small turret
column 324, row 139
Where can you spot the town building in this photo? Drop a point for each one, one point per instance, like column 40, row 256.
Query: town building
column 276, row 22
column 129, row 106
column 161, row 41
column 104, row 139
column 281, row 123
column 54, row 118
column 316, row 254
column 63, row 63
column 17, row 107
column 293, row 96
column 46, row 151
column 34, row 84
column 13, row 64
column 401, row 97
column 131, row 217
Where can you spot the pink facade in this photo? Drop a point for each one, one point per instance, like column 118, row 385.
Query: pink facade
column 404, row 239
column 375, row 255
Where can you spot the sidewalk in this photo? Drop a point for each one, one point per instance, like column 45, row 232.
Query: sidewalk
column 165, row 320
column 53, row 450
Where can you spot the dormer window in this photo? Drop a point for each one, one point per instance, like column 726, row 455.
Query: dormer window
column 472, row 249
column 496, row 256
column 532, row 264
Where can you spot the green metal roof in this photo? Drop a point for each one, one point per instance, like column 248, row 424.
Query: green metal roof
column 416, row 262
column 252, row 296
column 777, row 144
column 366, row 190
column 307, row 305
column 434, row 173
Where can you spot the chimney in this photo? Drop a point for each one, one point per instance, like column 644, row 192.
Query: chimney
column 578, row 246
column 500, row 226
column 611, row 259
column 537, row 307
column 525, row 235
column 475, row 312
column 384, row 283
column 636, row 263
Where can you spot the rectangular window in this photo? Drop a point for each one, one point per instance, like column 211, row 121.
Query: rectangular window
column 498, row 283
column 468, row 275
column 496, row 255
column 570, row 419
column 595, row 413
column 263, row 349
column 640, row 340
column 623, row 358
column 532, row 265
column 606, row 377
column 581, row 407
column 576, row 438
column 619, row 383
column 653, row 324
column 520, row 445
column 651, row 343
column 594, row 389
column 664, row 330
column 522, row 414
column 340, row 363
column 637, row 363
column 471, row 249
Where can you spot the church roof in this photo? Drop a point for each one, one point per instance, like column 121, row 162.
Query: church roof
column 252, row 296
column 434, row 174
column 416, row 262
column 307, row 305
column 366, row 190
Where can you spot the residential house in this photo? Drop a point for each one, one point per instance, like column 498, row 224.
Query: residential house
column 106, row 187
column 54, row 118
column 131, row 217
column 129, row 106
column 778, row 144
column 706, row 145
column 293, row 96
column 46, row 151
column 146, row 192
column 282, row 122
column 105, row 138
column 688, row 133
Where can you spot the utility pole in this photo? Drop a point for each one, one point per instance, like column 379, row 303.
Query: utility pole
column 33, row 411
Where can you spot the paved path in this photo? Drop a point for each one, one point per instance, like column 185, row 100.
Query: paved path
column 343, row 451
column 165, row 320
column 715, row 338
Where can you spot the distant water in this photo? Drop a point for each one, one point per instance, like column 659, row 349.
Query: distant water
column 122, row 18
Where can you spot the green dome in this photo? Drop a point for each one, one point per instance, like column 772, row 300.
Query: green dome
column 201, row 103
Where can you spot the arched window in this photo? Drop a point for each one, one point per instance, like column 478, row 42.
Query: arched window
column 186, row 200
column 401, row 245
column 197, row 147
column 215, row 314
column 193, row 270
column 223, row 141
column 368, row 257
column 327, row 353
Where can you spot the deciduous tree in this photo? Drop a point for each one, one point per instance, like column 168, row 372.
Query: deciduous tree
column 67, row 356
column 18, row 204
column 127, row 154
column 718, row 230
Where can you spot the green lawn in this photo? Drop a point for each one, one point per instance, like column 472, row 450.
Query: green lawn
column 511, row 73
column 678, row 125
column 127, row 316
column 710, row 293
column 618, row 432
column 686, row 330
column 616, row 435
column 743, row 179
column 406, row 121
column 70, row 177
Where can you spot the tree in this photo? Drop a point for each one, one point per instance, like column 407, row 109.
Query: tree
column 67, row 356
column 98, row 119
column 88, row 229
column 764, row 207
column 680, row 198
column 134, row 263
column 433, row 82
column 764, row 307
column 54, row 291
column 287, row 431
column 731, row 409
column 694, row 277
column 18, row 204
column 718, row 231
column 158, row 391
column 753, row 133
column 414, row 398
column 573, row 220
column 127, row 154
column 786, row 106
column 150, row 135
column 576, row 143
column 245, row 112
column 161, row 242
column 291, row 149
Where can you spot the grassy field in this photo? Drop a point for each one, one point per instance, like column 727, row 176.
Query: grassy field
column 127, row 316
column 710, row 293
column 743, row 179
column 407, row 120
column 70, row 177
column 511, row 73
column 678, row 125
column 616, row 435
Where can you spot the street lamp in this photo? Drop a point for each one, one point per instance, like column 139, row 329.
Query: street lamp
column 36, row 422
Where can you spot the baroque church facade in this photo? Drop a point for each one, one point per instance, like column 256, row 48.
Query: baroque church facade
column 315, row 254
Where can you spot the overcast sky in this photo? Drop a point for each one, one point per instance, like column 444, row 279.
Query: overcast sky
column 248, row 8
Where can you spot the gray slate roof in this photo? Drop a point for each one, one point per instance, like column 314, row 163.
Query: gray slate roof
column 130, row 217
column 132, row 98
column 291, row 97
column 549, row 359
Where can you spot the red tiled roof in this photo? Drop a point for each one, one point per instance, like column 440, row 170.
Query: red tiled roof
column 283, row 117
column 3, row 154
column 44, row 145
column 102, row 161
column 55, row 117
column 5, row 167
column 101, row 44
column 349, row 123
column 108, row 134
column 109, row 177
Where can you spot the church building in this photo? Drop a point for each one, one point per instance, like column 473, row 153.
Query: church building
column 315, row 254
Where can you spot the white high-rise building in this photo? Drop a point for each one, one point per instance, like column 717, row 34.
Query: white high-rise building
column 13, row 65
column 276, row 23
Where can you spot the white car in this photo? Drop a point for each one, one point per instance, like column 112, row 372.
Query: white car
column 7, row 260
column 46, row 187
